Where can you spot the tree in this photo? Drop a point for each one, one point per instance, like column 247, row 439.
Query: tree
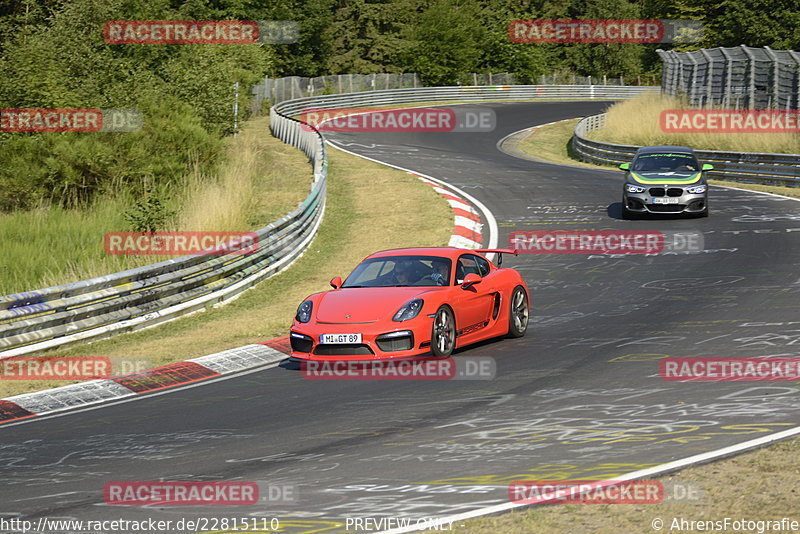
column 446, row 42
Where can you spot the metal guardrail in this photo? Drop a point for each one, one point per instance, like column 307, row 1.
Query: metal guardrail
column 781, row 169
column 462, row 94
column 137, row 298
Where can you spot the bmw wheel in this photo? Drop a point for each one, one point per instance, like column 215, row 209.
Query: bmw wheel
column 626, row 213
column 518, row 313
column 443, row 337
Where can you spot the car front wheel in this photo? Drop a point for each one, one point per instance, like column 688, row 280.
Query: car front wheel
column 443, row 336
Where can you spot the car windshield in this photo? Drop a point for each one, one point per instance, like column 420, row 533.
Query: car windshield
column 401, row 271
column 675, row 162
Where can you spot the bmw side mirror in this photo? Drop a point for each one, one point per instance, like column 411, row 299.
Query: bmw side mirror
column 336, row 282
column 470, row 280
column 625, row 166
column 707, row 167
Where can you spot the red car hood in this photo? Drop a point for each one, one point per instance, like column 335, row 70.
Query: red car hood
column 365, row 304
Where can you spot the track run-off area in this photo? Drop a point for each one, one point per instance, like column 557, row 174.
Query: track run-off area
column 578, row 398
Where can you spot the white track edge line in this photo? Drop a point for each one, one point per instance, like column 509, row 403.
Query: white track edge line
column 487, row 214
column 600, row 168
column 140, row 396
column 660, row 469
column 671, row 466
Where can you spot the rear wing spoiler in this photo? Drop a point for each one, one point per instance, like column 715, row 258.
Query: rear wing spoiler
column 499, row 252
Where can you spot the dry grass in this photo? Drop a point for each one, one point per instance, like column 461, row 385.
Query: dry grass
column 262, row 181
column 550, row 143
column 369, row 207
column 759, row 485
column 636, row 122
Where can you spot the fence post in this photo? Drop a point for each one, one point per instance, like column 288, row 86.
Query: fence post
column 236, row 108
column 752, row 81
column 709, row 76
column 726, row 94
column 775, row 96
column 796, row 57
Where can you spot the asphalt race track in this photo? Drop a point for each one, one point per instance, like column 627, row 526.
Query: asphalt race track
column 578, row 398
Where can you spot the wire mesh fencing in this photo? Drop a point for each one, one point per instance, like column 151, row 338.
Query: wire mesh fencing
column 739, row 77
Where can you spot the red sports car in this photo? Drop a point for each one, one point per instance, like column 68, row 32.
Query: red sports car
column 411, row 302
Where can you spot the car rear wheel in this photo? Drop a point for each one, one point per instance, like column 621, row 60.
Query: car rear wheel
column 518, row 316
column 443, row 336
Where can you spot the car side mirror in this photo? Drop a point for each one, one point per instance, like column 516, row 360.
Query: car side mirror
column 336, row 282
column 707, row 167
column 625, row 166
column 470, row 280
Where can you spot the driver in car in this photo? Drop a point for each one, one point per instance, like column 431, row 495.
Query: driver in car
column 402, row 274
column 440, row 272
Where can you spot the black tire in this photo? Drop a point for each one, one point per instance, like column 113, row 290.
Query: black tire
column 518, row 313
column 626, row 213
column 443, row 333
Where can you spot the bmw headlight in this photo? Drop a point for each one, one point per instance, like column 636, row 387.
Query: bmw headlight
column 409, row 310
column 696, row 190
column 303, row 314
column 630, row 188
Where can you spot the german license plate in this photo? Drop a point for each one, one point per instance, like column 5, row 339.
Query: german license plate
column 339, row 339
column 666, row 200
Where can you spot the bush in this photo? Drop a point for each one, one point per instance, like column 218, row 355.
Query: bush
column 183, row 91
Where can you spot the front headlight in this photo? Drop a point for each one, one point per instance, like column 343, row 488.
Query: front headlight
column 696, row 190
column 409, row 310
column 303, row 314
column 630, row 188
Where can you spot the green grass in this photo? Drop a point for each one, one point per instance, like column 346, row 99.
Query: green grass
column 353, row 227
column 260, row 181
column 45, row 247
column 549, row 143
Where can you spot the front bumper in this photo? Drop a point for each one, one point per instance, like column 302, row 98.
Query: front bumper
column 652, row 200
column 379, row 341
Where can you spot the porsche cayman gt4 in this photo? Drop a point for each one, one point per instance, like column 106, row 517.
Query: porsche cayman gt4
column 412, row 302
